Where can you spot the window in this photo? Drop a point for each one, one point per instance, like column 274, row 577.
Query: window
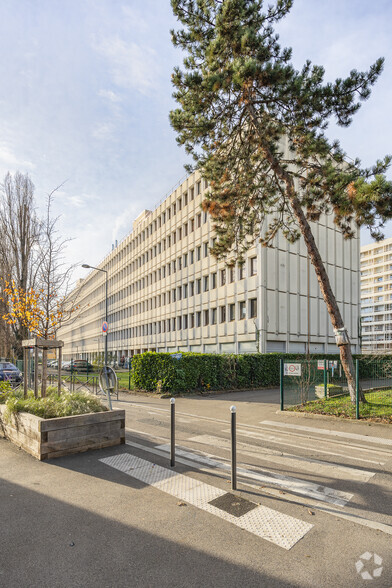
column 178, row 323
column 185, row 259
column 192, row 193
column 231, row 312
column 179, row 203
column 253, row 307
column 222, row 277
column 191, row 320
column 213, row 316
column 179, row 262
column 222, row 314
column 174, row 265
column 198, row 286
column 185, row 196
column 185, row 321
column 192, row 225
column 173, row 295
column 174, row 323
column 191, row 257
column 179, row 292
column 179, row 234
column 198, row 188
column 253, row 266
column 198, row 220
column 191, row 288
column 241, row 310
column 241, row 272
column 205, row 283
column 206, row 317
column 174, row 237
column 198, row 319
column 198, row 253
column 205, row 249
column 185, row 229
column 231, row 274
column 185, row 288
column 213, row 279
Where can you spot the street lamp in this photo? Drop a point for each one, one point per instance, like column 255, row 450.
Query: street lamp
column 86, row 266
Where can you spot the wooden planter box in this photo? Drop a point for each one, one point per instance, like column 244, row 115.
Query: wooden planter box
column 47, row 438
column 331, row 391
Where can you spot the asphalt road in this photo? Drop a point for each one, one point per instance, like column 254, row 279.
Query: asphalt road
column 314, row 495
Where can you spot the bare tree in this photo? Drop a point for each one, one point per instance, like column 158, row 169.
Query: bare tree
column 19, row 236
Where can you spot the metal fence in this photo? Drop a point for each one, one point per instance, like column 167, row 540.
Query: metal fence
column 87, row 380
column 320, row 386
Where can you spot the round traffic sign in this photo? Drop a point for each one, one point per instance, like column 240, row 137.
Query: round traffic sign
column 105, row 327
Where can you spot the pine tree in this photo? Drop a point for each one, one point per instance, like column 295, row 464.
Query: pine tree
column 255, row 127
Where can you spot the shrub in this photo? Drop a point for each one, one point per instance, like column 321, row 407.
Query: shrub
column 53, row 405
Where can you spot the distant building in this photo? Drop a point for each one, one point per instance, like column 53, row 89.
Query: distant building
column 168, row 293
column 376, row 296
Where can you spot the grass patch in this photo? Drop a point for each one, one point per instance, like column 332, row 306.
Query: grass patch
column 378, row 407
column 53, row 405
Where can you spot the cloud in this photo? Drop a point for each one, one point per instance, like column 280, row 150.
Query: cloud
column 110, row 95
column 132, row 66
column 9, row 160
column 104, row 131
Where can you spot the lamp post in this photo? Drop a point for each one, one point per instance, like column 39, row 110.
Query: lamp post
column 86, row 266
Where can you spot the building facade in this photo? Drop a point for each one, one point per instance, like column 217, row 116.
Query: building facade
column 166, row 292
column 376, row 296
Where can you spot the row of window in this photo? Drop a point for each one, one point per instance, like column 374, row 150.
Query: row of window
column 197, row 286
column 189, row 321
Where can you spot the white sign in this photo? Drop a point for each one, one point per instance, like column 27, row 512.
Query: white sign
column 320, row 364
column 292, row 369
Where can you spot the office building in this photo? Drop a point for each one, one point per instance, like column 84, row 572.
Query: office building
column 166, row 292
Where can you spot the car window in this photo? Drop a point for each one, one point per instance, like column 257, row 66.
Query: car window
column 9, row 366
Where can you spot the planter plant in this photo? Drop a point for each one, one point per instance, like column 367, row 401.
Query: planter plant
column 59, row 424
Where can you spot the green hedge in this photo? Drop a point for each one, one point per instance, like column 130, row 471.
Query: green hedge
column 205, row 371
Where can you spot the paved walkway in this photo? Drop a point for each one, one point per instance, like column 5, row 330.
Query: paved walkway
column 314, row 496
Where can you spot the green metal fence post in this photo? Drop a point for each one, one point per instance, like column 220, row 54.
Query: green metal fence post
column 325, row 380
column 357, row 388
column 281, row 386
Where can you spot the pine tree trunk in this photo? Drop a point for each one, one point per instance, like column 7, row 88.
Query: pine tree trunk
column 325, row 286
column 346, row 357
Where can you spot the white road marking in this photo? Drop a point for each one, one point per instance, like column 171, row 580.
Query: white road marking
column 288, row 497
column 273, row 526
column 363, row 438
column 276, row 440
column 287, row 459
column 290, row 483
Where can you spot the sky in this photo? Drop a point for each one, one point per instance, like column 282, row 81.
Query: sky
column 86, row 94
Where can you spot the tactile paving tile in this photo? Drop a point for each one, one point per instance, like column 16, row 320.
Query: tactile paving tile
column 179, row 486
column 124, row 462
column 152, row 474
column 269, row 524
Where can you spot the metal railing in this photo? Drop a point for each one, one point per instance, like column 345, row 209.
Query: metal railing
column 320, row 386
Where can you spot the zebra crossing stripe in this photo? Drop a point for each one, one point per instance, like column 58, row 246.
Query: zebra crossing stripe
column 289, row 483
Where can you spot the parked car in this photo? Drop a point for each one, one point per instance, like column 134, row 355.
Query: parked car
column 9, row 372
column 79, row 365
